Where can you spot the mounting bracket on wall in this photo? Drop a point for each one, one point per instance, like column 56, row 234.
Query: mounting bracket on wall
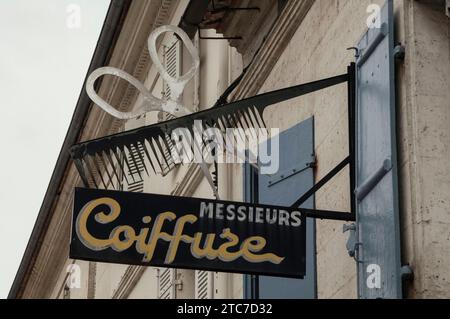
column 399, row 52
column 103, row 161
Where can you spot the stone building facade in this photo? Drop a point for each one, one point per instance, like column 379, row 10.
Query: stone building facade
column 276, row 44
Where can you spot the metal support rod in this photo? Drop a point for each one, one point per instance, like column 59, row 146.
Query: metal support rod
column 350, row 160
column 351, row 132
column 254, row 198
column 328, row 214
column 322, row 182
column 216, row 10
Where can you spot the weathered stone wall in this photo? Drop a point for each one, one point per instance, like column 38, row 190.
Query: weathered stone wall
column 425, row 140
column 318, row 50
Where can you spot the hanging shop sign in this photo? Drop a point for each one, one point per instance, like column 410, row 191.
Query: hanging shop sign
column 191, row 233
column 177, row 232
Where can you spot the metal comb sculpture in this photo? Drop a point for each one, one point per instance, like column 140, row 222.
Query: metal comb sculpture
column 103, row 161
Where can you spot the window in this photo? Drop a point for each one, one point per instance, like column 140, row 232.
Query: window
column 295, row 152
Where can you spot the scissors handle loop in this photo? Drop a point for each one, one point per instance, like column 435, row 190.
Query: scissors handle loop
column 149, row 102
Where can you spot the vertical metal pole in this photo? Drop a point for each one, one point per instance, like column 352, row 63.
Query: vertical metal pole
column 252, row 196
column 351, row 131
column 255, row 194
column 351, row 86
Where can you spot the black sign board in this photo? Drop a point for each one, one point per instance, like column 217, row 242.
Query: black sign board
column 191, row 233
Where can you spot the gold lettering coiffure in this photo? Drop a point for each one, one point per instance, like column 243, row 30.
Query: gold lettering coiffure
column 124, row 236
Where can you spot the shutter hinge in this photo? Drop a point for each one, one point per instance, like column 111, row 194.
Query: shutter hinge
column 352, row 243
column 310, row 163
column 407, row 273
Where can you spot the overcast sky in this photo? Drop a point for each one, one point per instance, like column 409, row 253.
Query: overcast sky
column 45, row 50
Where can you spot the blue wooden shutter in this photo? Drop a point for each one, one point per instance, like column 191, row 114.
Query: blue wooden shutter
column 376, row 165
column 294, row 178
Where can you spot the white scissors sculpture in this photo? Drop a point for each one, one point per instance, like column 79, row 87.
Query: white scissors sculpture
column 172, row 105
column 150, row 103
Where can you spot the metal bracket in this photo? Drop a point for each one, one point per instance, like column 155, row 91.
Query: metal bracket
column 221, row 9
column 407, row 273
column 352, row 243
column 399, row 52
column 322, row 182
column 357, row 53
column 218, row 10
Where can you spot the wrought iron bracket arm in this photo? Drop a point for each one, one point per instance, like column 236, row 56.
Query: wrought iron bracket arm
column 319, row 214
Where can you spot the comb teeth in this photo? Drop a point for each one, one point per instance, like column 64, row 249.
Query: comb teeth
column 127, row 161
column 128, row 153
column 134, row 165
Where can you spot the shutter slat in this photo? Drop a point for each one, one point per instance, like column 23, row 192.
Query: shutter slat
column 166, row 288
column 203, row 284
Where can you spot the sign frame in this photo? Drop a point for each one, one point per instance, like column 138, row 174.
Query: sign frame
column 292, row 253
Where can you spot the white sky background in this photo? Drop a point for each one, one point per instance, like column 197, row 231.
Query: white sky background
column 43, row 64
